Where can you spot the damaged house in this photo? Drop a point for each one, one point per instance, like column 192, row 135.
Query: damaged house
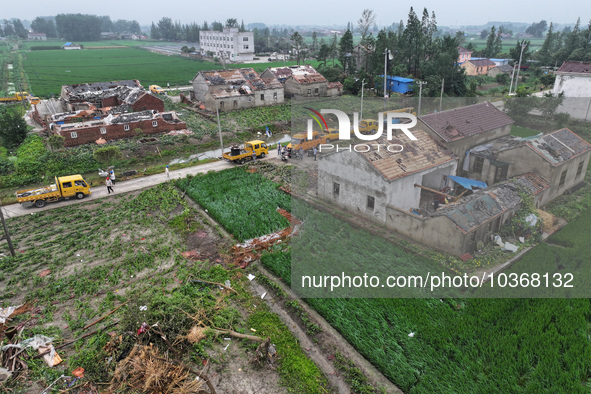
column 463, row 226
column 463, row 128
column 304, row 81
column 236, row 89
column 109, row 94
column 369, row 182
column 558, row 160
column 118, row 126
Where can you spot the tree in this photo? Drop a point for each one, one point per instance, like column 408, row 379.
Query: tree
column 412, row 40
column 232, row 22
column 19, row 29
column 314, row 41
column 13, row 128
column 518, row 108
column 44, row 25
column 78, row 27
column 483, row 34
column 489, row 51
column 461, row 37
column 537, row 29
column 548, row 104
column 8, row 29
column 297, row 45
column 366, row 21
column 346, row 52
column 515, row 52
column 546, row 54
column 107, row 155
column 55, row 142
column 323, row 54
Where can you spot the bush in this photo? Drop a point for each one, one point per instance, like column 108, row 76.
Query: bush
column 107, row 155
column 45, row 48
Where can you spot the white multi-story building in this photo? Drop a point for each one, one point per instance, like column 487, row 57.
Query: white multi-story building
column 228, row 44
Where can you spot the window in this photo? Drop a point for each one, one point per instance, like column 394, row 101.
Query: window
column 244, row 38
column 126, row 127
column 73, row 134
column 245, row 46
column 221, row 104
column 336, row 189
column 478, row 163
column 66, row 184
column 580, row 169
column 562, row 178
column 275, row 95
column 262, row 97
column 235, row 103
column 80, row 183
column 103, row 130
column 371, row 202
column 309, row 92
column 316, row 92
column 154, row 123
column 501, row 173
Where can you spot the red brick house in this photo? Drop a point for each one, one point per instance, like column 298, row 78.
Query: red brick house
column 118, row 127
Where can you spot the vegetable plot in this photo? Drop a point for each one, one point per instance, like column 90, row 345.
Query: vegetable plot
column 244, row 203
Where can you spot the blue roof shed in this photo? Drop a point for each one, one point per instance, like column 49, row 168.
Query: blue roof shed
column 399, row 84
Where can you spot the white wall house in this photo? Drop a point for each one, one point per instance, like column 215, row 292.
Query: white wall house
column 573, row 80
column 229, row 44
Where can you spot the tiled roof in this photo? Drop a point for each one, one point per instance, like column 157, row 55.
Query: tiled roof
column 575, row 67
column 241, row 78
column 559, row 146
column 302, row 74
column 484, row 205
column 533, row 181
column 463, row 50
column 482, row 62
column 417, row 156
column 100, row 86
column 332, row 85
column 467, row 121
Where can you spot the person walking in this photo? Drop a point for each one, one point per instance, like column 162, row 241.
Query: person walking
column 315, row 152
column 254, row 156
column 112, row 176
column 167, row 171
column 278, row 149
column 109, row 183
column 301, row 153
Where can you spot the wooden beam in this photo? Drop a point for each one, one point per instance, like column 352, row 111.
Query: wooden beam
column 435, row 191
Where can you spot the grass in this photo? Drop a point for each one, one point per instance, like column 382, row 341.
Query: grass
column 523, row 132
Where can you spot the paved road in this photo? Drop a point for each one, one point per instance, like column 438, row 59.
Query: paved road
column 14, row 210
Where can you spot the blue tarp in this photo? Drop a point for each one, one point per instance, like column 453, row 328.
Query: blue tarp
column 467, row 182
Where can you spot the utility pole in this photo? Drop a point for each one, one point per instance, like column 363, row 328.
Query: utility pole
column 219, row 127
column 512, row 76
column 519, row 68
column 441, row 96
column 362, row 85
column 420, row 83
column 385, row 75
column 6, row 234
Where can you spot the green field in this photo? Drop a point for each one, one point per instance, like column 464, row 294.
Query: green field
column 48, row 70
column 244, row 203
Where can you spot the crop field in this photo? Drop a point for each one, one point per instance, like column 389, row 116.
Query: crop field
column 244, row 203
column 76, row 263
column 48, row 70
column 458, row 344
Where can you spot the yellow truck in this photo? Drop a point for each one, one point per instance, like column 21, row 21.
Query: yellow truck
column 241, row 155
column 370, row 126
column 20, row 96
column 156, row 89
column 65, row 187
column 301, row 140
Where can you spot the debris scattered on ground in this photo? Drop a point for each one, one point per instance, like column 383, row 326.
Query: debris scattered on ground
column 510, row 247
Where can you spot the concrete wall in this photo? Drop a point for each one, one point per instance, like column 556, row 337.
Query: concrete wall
column 523, row 159
column 269, row 97
column 576, row 107
column 572, row 85
column 441, row 233
column 357, row 180
column 148, row 101
column 200, row 87
column 294, row 88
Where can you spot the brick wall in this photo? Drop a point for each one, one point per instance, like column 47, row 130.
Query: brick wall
column 117, row 131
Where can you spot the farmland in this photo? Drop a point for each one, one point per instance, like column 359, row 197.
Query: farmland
column 245, row 204
column 76, row 263
column 48, row 70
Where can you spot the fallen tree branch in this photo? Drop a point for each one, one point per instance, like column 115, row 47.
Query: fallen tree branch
column 74, row 340
column 237, row 334
column 102, row 318
column 214, row 283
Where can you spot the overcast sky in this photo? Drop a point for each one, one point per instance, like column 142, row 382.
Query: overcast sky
column 307, row 12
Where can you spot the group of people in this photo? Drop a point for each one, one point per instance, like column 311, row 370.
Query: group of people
column 283, row 153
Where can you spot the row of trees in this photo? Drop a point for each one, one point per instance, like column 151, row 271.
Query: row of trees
column 71, row 27
column 569, row 44
column 166, row 29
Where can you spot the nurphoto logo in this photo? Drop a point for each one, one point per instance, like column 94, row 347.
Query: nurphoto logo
column 394, row 121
